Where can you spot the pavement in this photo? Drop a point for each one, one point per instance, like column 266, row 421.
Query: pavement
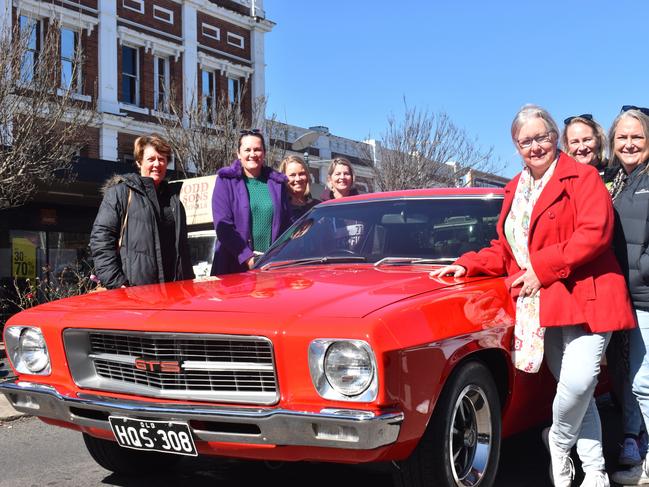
column 7, row 412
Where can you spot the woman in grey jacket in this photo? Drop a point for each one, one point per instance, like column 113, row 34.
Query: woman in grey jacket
column 140, row 232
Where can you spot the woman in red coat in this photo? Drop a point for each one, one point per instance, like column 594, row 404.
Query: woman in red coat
column 554, row 243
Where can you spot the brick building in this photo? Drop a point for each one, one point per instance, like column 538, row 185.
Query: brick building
column 134, row 53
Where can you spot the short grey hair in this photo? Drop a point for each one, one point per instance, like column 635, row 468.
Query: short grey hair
column 529, row 112
column 640, row 117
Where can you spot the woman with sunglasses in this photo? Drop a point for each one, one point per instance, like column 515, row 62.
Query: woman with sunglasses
column 629, row 148
column 554, row 244
column 250, row 207
column 584, row 139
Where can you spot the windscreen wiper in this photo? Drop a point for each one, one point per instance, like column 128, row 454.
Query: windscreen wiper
column 413, row 260
column 313, row 260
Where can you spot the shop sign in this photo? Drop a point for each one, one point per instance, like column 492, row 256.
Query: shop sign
column 196, row 196
column 23, row 258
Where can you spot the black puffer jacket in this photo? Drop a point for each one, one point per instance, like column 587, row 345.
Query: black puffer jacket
column 140, row 256
column 631, row 238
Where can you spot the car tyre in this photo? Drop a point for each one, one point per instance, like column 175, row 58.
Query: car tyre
column 461, row 445
column 126, row 461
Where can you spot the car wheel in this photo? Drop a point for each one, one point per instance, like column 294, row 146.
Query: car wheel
column 126, row 461
column 461, row 445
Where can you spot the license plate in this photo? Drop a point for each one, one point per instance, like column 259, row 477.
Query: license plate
column 163, row 436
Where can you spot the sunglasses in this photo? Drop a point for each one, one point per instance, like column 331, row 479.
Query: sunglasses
column 586, row 116
column 250, row 132
column 626, row 108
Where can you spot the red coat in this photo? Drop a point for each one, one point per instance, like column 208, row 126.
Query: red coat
column 571, row 231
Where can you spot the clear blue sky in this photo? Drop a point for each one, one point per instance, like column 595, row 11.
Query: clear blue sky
column 347, row 64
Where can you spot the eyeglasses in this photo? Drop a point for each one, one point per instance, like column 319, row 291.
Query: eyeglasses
column 250, row 132
column 539, row 139
column 586, row 116
column 626, row 108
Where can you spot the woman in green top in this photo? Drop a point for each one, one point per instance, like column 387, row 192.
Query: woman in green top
column 250, row 207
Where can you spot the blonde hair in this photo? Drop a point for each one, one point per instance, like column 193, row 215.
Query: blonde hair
column 298, row 160
column 341, row 161
column 598, row 131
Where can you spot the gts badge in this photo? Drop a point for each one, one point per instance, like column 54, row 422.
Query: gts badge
column 172, row 366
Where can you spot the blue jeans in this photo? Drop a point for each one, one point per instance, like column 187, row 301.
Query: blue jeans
column 618, row 369
column 639, row 362
column 573, row 356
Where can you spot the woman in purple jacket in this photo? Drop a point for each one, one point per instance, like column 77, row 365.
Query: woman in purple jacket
column 250, row 207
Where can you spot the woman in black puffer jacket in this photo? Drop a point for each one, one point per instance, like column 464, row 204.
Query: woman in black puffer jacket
column 629, row 187
column 153, row 247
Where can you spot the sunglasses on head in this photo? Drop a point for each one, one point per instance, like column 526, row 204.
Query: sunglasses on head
column 586, row 116
column 626, row 108
column 250, row 132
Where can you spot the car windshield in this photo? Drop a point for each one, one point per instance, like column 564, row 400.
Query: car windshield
column 380, row 231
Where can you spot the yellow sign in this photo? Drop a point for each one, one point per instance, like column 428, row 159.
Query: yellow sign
column 23, row 258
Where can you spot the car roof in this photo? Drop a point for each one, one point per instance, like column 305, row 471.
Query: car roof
column 421, row 193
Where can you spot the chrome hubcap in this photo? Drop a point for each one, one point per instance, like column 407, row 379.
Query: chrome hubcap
column 470, row 437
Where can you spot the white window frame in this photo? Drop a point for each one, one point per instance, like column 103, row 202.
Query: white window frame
column 236, row 40
column 139, row 2
column 78, row 82
column 156, row 84
column 138, row 76
column 216, row 35
column 157, row 8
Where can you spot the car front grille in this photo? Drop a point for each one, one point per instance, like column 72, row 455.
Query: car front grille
column 224, row 368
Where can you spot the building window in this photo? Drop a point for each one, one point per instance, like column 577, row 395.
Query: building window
column 211, row 31
column 161, row 84
column 209, row 90
column 163, row 14
column 30, row 30
column 235, row 40
column 70, row 60
column 234, row 90
column 130, row 75
column 135, row 5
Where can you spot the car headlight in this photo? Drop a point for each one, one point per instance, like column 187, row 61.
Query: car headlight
column 343, row 369
column 27, row 350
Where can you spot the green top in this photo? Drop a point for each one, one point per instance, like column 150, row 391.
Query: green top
column 261, row 213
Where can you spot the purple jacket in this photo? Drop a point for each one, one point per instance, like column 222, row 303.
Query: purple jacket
column 231, row 213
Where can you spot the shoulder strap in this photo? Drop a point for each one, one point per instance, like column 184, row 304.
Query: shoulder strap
column 121, row 231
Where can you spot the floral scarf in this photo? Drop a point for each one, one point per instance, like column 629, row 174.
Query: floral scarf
column 527, row 354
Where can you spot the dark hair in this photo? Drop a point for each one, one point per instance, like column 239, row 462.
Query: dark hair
column 155, row 141
column 252, row 133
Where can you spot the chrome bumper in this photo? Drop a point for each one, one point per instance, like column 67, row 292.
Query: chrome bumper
column 334, row 428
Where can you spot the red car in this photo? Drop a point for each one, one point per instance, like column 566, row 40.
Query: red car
column 337, row 347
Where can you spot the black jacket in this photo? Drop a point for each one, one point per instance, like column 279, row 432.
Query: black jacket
column 631, row 237
column 140, row 255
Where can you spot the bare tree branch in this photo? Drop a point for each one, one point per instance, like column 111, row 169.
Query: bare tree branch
column 42, row 124
column 425, row 149
column 204, row 138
